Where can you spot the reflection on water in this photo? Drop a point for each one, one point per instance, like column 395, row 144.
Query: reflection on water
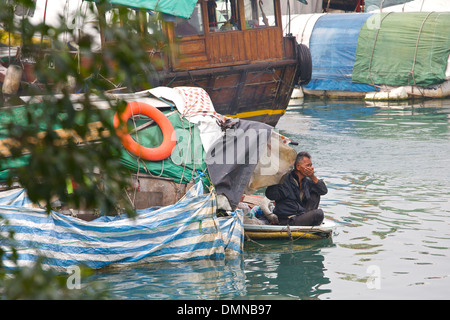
column 286, row 270
column 202, row 280
column 386, row 166
column 268, row 270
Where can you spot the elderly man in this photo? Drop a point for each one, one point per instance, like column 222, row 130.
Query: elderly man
column 297, row 197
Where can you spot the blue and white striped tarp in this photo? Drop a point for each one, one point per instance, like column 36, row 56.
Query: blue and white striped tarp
column 15, row 197
column 187, row 230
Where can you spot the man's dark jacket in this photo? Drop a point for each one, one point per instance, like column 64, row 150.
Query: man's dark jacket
column 287, row 195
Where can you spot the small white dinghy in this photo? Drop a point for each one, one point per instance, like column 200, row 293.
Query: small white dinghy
column 257, row 231
column 261, row 228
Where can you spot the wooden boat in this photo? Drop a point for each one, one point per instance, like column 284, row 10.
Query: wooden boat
column 267, row 232
column 235, row 50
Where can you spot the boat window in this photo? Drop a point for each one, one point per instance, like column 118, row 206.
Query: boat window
column 259, row 13
column 223, row 15
column 192, row 26
column 114, row 17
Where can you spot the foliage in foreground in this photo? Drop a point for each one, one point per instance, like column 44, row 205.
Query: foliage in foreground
column 43, row 161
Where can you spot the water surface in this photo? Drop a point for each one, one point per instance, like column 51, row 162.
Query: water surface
column 386, row 166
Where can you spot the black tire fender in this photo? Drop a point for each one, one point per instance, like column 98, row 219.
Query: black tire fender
column 304, row 60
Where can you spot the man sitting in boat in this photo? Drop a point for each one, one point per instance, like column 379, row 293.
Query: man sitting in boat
column 297, row 197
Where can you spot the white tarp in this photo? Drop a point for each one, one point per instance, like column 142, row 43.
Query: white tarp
column 301, row 26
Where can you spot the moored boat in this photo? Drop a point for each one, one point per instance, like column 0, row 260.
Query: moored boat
column 349, row 54
column 270, row 232
column 197, row 226
column 233, row 49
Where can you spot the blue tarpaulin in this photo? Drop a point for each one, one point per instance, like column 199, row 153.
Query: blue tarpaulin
column 333, row 46
column 186, row 230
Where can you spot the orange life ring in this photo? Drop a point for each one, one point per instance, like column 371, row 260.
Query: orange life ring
column 153, row 154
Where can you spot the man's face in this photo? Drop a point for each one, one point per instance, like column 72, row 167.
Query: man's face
column 304, row 166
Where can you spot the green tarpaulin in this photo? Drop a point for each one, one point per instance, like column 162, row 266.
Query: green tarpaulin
column 18, row 116
column 185, row 163
column 403, row 49
column 179, row 8
column 187, row 159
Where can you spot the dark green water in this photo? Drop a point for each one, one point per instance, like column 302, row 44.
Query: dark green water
column 387, row 169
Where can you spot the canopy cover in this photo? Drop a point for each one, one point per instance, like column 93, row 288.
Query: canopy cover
column 409, row 48
column 186, row 230
column 333, row 45
column 179, row 8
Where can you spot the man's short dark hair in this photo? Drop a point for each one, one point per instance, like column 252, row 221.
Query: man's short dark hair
column 301, row 155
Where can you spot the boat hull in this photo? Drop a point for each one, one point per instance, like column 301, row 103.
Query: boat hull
column 258, row 91
column 273, row 232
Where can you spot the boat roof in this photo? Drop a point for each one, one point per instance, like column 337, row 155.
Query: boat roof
column 179, row 8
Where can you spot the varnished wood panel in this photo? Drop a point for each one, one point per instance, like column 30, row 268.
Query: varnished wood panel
column 195, row 46
column 192, row 53
column 233, row 47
